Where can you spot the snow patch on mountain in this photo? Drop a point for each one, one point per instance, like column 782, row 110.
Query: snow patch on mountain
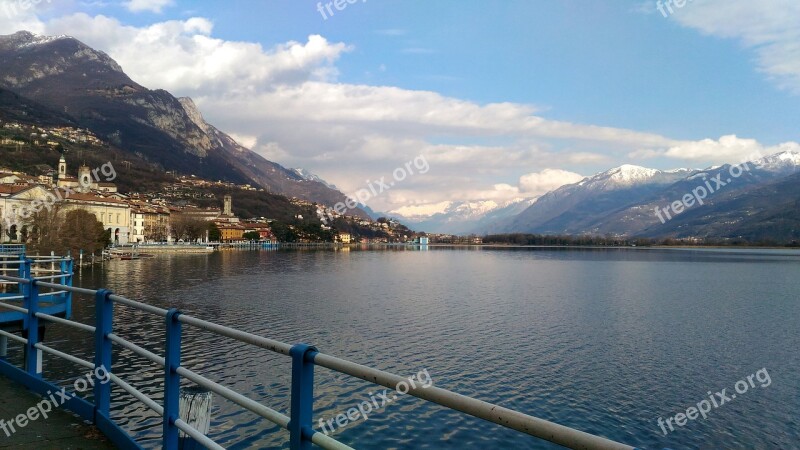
column 310, row 176
column 787, row 161
column 629, row 175
column 459, row 217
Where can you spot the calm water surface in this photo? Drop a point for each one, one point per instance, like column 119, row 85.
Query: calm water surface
column 606, row 341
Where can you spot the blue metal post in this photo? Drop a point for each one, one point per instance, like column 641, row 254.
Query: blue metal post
column 302, row 402
column 172, row 381
column 104, row 320
column 68, row 267
column 33, row 362
column 21, row 267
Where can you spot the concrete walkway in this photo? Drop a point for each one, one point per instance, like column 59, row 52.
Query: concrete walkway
column 61, row 430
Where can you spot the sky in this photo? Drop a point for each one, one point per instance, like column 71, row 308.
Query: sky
column 501, row 99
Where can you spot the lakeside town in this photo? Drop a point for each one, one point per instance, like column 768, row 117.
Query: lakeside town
column 169, row 215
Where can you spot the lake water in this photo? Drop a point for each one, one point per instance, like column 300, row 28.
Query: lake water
column 605, row 341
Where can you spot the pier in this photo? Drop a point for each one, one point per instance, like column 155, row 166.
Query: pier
column 33, row 290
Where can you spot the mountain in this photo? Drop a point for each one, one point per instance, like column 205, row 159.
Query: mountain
column 63, row 74
column 765, row 211
column 631, row 201
column 571, row 208
column 459, row 217
column 310, row 176
column 16, row 108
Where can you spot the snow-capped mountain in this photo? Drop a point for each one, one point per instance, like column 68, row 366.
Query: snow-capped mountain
column 310, row 176
column 622, row 200
column 591, row 196
column 628, row 175
column 784, row 162
column 459, row 217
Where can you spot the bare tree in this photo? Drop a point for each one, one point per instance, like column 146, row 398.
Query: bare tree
column 188, row 228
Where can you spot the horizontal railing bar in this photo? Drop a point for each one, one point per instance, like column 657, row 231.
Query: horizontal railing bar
column 37, row 270
column 50, row 294
column 13, row 337
column 197, row 436
column 69, row 323
column 51, row 277
column 252, row 405
column 508, row 418
column 249, row 338
column 73, row 289
column 328, row 443
column 136, row 349
column 139, row 395
column 139, row 305
column 63, row 355
column 15, row 279
column 12, row 307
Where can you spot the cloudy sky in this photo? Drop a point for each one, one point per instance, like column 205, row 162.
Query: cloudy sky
column 503, row 98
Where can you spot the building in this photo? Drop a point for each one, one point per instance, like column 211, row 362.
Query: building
column 207, row 214
column 114, row 214
column 230, row 232
column 264, row 231
column 86, row 181
column 16, row 208
column 344, row 238
column 149, row 223
column 18, row 204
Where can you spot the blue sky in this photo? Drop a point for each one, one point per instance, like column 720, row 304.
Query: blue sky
column 605, row 63
column 584, row 85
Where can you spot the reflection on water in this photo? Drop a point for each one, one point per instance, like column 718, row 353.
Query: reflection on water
column 603, row 340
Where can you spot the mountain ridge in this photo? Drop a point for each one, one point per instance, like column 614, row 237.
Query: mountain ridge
column 63, row 73
column 623, row 200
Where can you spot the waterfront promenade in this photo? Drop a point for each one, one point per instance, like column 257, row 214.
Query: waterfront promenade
column 61, row 430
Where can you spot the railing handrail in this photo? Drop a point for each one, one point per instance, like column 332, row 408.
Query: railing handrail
column 304, row 359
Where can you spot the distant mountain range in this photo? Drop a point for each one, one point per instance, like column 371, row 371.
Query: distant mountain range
column 758, row 204
column 459, row 217
column 755, row 204
column 77, row 84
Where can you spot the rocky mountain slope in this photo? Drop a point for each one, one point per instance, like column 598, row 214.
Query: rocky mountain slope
column 63, row 74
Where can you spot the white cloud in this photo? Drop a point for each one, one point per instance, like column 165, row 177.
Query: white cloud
column 587, row 158
column 182, row 57
column 727, row 149
column 771, row 28
column 245, row 140
column 539, row 183
column 155, row 6
column 286, row 103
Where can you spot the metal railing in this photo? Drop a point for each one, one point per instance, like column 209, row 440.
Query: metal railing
column 12, row 249
column 304, row 358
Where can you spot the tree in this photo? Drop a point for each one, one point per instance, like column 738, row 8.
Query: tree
column 60, row 231
column 82, row 231
column 252, row 236
column 47, row 223
column 283, row 232
column 188, row 228
column 214, row 235
column 155, row 232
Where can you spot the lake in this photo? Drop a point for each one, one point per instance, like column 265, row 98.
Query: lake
column 603, row 340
